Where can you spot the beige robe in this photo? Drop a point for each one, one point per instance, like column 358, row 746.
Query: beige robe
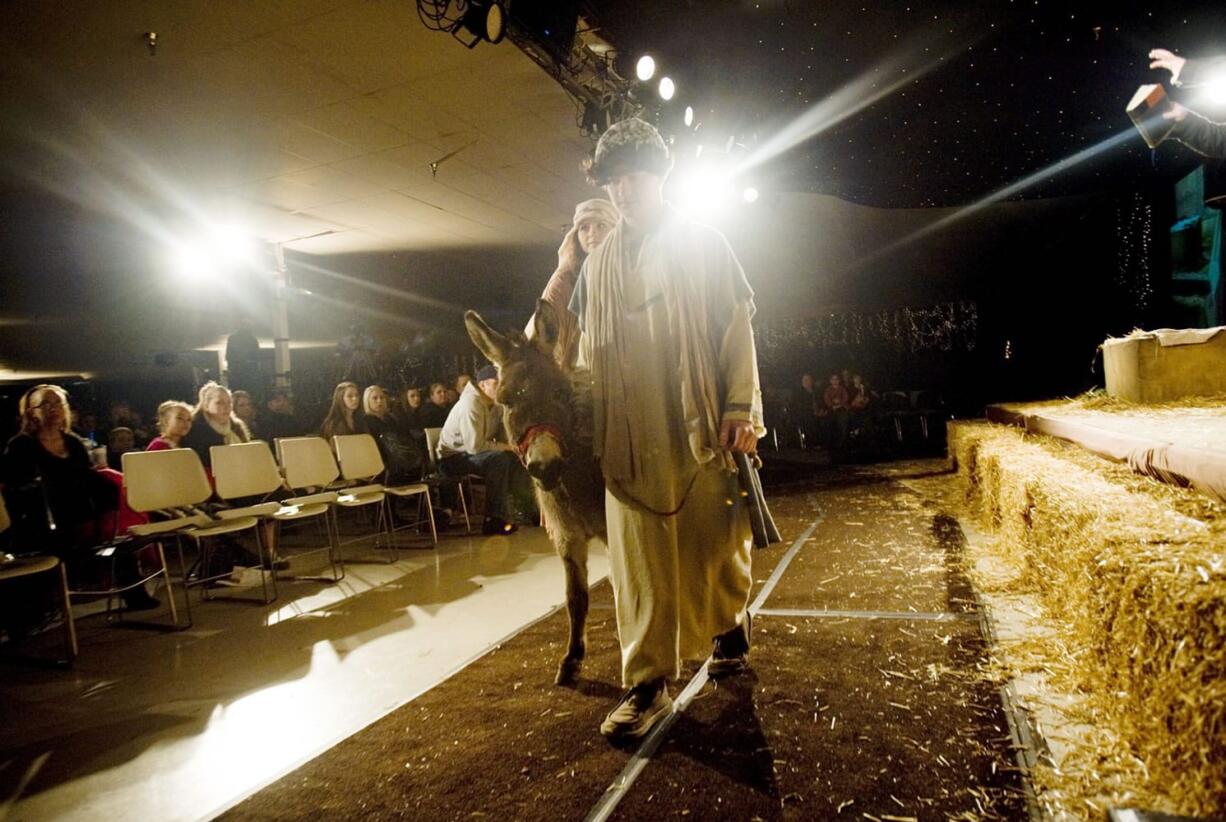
column 664, row 329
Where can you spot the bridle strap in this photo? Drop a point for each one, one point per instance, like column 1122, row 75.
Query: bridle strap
column 532, row 432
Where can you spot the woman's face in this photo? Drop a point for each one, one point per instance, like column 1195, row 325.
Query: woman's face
column 244, row 409
column 592, row 231
column 180, row 423
column 413, row 398
column 378, row 403
column 49, row 409
column 351, row 398
column 218, row 406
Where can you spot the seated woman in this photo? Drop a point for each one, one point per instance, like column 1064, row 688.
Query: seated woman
column 59, row 504
column 403, row 457
column 174, row 421
column 376, row 409
column 214, row 423
column 244, row 409
column 345, row 414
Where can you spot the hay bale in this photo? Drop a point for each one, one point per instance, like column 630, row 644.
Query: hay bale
column 1136, row 587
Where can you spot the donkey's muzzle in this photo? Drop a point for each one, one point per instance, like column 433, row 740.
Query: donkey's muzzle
column 547, row 473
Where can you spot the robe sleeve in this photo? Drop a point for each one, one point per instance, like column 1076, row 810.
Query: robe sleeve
column 1202, row 135
column 738, row 359
column 1199, row 72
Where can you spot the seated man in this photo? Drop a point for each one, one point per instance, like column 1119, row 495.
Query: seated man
column 473, row 441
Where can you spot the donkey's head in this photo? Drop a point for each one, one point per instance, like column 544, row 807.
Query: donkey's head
column 532, row 389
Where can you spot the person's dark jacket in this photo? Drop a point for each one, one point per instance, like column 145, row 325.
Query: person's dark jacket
column 432, row 416
column 50, row 498
column 202, row 437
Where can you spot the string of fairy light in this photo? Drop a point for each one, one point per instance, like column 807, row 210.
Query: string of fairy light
column 950, row 326
column 1134, row 223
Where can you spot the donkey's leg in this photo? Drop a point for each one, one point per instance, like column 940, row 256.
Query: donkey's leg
column 574, row 560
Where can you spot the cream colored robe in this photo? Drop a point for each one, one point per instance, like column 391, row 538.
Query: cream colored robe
column 679, row 579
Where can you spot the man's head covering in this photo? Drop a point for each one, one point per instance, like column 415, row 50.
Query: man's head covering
column 598, row 209
column 629, row 146
column 487, row 372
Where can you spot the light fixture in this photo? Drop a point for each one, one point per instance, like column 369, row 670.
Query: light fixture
column 689, row 116
column 750, row 195
column 645, row 68
column 1215, row 89
column 667, row 88
column 484, row 20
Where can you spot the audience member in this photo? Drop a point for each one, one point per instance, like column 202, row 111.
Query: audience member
column 277, row 419
column 174, row 421
column 345, row 414
column 473, row 441
column 859, row 405
column 375, row 407
column 452, row 396
column 434, row 413
column 123, row 415
column 410, row 412
column 803, row 410
column 214, row 423
column 403, row 457
column 593, row 221
column 460, row 382
column 87, row 428
column 119, row 441
column 57, row 502
column 834, row 411
column 244, row 409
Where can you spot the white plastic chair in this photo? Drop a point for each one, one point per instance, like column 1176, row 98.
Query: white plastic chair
column 310, row 465
column 21, row 567
column 361, row 461
column 174, row 481
column 247, row 470
column 436, row 479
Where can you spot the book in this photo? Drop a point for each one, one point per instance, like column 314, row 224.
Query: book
column 1146, row 109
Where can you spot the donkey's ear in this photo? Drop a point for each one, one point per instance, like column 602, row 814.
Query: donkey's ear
column 545, row 326
column 492, row 344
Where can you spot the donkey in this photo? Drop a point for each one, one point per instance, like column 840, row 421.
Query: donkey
column 545, row 418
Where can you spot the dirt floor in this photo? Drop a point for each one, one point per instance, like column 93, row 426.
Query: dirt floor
column 877, row 711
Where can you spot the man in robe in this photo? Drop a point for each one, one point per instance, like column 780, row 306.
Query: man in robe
column 668, row 350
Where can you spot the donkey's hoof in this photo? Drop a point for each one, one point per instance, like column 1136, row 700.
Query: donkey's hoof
column 568, row 672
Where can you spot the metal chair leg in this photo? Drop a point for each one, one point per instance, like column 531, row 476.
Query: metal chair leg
column 70, row 627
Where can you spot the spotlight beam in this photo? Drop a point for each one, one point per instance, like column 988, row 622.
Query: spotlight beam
column 857, row 95
column 379, row 288
column 1005, row 193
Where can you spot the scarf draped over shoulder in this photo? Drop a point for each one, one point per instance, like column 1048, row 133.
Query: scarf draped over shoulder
column 704, row 288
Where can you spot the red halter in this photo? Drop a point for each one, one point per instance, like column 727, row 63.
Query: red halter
column 525, row 440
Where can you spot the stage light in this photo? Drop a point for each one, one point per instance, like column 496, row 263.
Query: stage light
column 645, row 68
column 219, row 250
column 667, row 88
column 750, row 195
column 484, row 20
column 1215, row 89
column 689, row 116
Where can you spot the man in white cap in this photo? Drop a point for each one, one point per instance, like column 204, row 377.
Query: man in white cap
column 665, row 313
column 473, row 441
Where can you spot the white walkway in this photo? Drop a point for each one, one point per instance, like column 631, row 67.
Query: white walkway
column 180, row 726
